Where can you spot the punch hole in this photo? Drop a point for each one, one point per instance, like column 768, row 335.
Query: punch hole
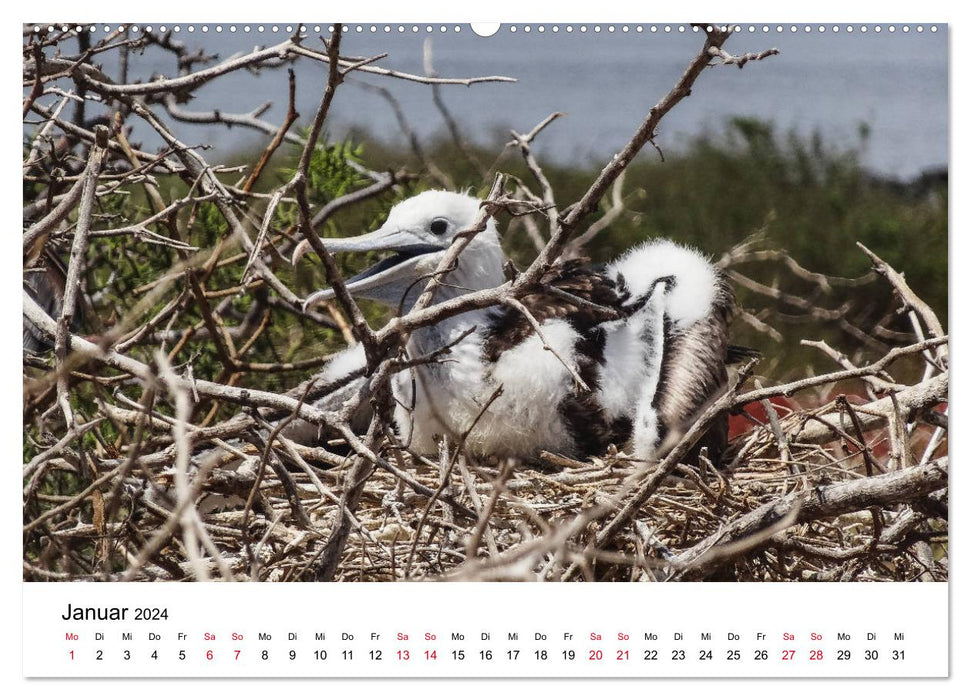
column 485, row 29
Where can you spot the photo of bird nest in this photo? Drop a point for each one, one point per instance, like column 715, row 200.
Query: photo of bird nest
column 304, row 341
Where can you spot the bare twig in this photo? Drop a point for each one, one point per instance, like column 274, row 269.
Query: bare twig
column 76, row 266
column 854, row 495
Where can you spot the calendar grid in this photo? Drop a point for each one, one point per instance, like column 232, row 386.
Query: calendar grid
column 485, row 630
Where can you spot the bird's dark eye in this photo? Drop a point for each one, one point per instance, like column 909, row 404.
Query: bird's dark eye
column 439, row 226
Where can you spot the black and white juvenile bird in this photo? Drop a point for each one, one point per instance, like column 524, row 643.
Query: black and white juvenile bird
column 652, row 348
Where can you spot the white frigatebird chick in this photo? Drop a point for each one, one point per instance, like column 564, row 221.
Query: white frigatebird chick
column 647, row 334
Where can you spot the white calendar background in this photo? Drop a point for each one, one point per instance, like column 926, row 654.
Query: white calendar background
column 485, row 630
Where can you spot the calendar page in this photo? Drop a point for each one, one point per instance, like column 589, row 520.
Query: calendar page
column 521, row 350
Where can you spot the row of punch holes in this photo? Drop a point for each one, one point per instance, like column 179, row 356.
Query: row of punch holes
column 490, row 29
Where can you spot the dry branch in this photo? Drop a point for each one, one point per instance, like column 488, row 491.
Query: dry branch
column 743, row 534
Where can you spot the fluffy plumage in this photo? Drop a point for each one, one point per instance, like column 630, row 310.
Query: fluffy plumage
column 646, row 333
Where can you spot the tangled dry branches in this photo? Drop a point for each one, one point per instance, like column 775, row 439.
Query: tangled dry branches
column 137, row 471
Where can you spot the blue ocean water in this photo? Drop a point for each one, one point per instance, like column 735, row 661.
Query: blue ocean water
column 831, row 83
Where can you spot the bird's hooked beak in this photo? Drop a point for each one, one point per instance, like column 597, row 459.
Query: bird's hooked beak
column 384, row 280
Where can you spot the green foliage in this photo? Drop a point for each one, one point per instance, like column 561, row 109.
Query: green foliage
column 329, row 175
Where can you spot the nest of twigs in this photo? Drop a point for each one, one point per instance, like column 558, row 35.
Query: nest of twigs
column 532, row 523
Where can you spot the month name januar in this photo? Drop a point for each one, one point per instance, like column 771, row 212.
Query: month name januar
column 76, row 613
